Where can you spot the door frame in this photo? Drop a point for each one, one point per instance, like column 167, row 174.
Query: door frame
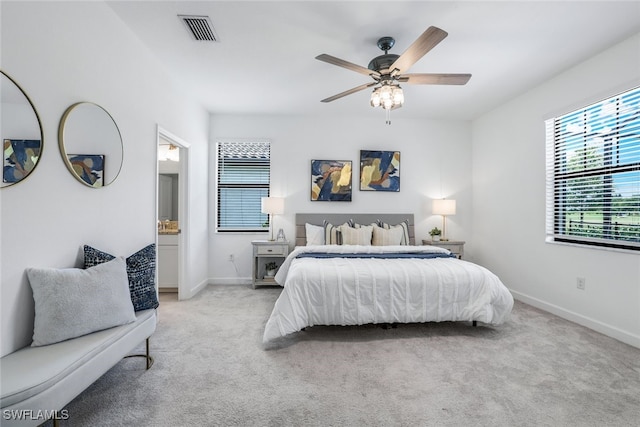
column 184, row 291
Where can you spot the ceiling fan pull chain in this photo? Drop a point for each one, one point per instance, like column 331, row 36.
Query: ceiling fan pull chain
column 388, row 112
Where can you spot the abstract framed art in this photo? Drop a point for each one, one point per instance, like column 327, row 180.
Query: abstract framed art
column 89, row 167
column 379, row 170
column 331, row 180
column 20, row 158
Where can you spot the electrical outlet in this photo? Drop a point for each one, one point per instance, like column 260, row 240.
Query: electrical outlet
column 231, row 257
column 580, row 283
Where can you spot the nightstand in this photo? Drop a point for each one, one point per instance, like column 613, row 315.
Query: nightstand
column 265, row 251
column 456, row 247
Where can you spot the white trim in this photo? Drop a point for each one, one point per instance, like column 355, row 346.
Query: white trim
column 230, row 281
column 551, row 240
column 183, row 246
column 194, row 291
column 603, row 328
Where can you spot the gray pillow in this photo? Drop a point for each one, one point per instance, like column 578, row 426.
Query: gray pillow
column 72, row 302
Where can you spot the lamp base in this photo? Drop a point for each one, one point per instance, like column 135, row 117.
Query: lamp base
column 444, row 229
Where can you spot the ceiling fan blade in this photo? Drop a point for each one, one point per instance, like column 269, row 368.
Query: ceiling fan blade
column 349, row 92
column 434, row 79
column 346, row 64
column 427, row 41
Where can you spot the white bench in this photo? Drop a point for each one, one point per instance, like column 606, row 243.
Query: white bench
column 38, row 382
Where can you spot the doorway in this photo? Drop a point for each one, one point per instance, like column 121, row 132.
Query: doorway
column 172, row 213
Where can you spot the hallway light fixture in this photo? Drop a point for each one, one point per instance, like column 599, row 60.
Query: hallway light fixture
column 443, row 207
column 272, row 206
column 168, row 152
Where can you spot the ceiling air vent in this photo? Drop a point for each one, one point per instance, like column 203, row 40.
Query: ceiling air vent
column 200, row 27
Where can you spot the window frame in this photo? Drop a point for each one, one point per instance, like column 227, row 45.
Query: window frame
column 559, row 172
column 264, row 227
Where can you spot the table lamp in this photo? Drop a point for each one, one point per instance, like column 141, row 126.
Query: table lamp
column 272, row 206
column 443, row 207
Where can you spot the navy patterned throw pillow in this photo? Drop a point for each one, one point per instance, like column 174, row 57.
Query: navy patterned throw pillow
column 141, row 270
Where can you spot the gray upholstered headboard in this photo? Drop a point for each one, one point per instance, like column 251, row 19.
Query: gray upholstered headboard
column 337, row 219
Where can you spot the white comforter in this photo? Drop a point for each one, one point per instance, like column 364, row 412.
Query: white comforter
column 356, row 291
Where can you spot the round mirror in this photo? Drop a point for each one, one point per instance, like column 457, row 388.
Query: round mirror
column 90, row 144
column 21, row 132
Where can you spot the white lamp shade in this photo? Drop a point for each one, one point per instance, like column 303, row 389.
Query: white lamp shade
column 443, row 207
column 272, row 205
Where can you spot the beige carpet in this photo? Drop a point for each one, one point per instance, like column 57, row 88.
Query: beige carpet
column 212, row 369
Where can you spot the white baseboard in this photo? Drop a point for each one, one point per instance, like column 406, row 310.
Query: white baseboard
column 199, row 287
column 596, row 325
column 190, row 293
column 230, row 281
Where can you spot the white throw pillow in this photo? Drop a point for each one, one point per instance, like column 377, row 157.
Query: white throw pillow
column 315, row 234
column 404, row 225
column 72, row 302
column 356, row 236
column 386, row 237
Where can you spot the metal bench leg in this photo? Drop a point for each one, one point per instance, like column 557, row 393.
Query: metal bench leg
column 147, row 356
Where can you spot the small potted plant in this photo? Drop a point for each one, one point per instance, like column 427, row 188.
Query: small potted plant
column 435, row 234
column 271, row 267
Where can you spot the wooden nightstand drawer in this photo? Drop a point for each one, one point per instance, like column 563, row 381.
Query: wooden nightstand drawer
column 271, row 250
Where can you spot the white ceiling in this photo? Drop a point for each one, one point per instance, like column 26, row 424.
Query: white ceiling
column 264, row 61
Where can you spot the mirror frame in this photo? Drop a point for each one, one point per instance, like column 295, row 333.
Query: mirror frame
column 33, row 107
column 63, row 151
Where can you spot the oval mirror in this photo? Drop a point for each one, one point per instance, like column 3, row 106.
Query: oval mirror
column 21, row 132
column 90, row 144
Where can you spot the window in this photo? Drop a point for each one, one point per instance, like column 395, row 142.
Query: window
column 593, row 174
column 243, row 179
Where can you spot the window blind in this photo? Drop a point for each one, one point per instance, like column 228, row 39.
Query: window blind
column 243, row 170
column 593, row 174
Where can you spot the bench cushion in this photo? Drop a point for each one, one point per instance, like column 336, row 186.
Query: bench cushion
column 33, row 370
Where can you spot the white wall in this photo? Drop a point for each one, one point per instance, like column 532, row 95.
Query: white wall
column 435, row 162
column 66, row 52
column 509, row 203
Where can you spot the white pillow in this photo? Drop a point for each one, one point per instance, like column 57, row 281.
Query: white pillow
column 72, row 302
column 404, row 225
column 356, row 236
column 386, row 237
column 315, row 234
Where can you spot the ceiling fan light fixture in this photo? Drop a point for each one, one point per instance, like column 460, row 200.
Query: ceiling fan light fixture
column 387, row 96
column 398, row 95
column 375, row 98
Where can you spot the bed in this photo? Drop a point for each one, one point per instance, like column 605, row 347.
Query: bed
column 339, row 279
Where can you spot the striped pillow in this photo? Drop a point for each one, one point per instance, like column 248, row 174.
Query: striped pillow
column 356, row 236
column 332, row 234
column 404, row 225
column 386, row 237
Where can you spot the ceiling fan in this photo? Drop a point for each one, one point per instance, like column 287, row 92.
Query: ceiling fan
column 388, row 71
